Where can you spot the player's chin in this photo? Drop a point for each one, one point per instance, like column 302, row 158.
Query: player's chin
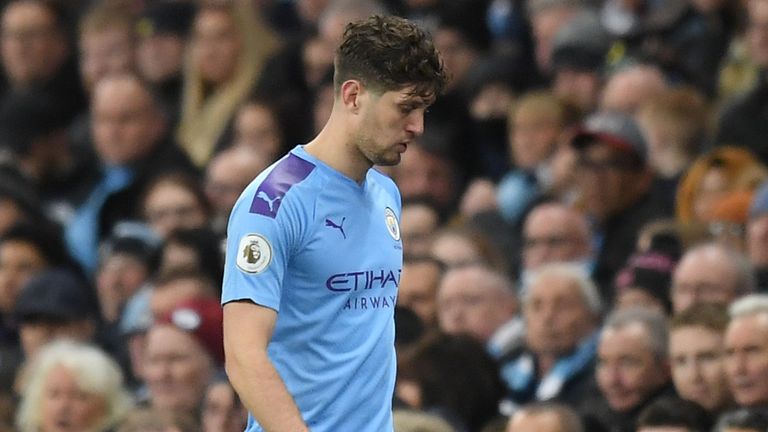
column 389, row 159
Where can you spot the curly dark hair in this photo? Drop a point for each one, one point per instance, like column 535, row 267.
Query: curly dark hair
column 388, row 53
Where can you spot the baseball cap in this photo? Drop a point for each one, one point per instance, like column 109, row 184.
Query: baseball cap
column 616, row 129
column 56, row 295
column 201, row 318
column 581, row 44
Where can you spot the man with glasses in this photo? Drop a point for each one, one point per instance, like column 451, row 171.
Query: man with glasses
column 613, row 181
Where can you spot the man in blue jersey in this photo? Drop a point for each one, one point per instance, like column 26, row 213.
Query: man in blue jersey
column 314, row 251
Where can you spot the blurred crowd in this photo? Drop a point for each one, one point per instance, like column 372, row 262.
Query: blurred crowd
column 584, row 221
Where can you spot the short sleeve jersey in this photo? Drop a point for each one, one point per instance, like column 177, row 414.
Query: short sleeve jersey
column 324, row 252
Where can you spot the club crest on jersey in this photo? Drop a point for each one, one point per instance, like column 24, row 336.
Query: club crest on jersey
column 254, row 253
column 392, row 226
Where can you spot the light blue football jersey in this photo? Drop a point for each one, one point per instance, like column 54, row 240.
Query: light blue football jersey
column 323, row 251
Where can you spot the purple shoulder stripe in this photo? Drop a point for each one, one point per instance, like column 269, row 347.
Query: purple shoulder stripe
column 270, row 193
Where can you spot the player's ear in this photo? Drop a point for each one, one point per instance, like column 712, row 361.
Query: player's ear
column 351, row 92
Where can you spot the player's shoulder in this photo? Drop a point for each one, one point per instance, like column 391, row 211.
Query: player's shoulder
column 287, row 180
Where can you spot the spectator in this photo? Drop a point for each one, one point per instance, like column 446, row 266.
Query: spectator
column 54, row 304
column 537, row 125
column 37, row 53
column 407, row 420
column 475, row 300
column 258, row 127
column 697, row 356
column 736, row 125
column 545, row 417
column 710, row 273
column 196, row 248
column 746, row 351
column 228, row 48
column 632, row 368
column 561, row 308
column 184, row 350
column 131, row 144
column 420, row 219
column 128, row 259
column 426, row 172
column 673, row 123
column 175, row 200
column 72, row 387
column 107, row 43
column 226, row 176
column 418, row 286
column 672, row 413
column 455, row 246
column 645, row 281
column 577, row 60
column 627, row 89
column 713, row 175
column 162, row 31
column 222, row 409
column 453, row 377
column 547, row 18
column 555, row 232
column 613, row 181
column 178, row 285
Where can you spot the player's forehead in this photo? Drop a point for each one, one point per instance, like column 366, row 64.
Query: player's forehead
column 411, row 95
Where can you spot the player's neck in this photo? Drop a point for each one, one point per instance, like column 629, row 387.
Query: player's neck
column 332, row 147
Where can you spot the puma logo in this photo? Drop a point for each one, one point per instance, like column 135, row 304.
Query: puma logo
column 270, row 201
column 340, row 227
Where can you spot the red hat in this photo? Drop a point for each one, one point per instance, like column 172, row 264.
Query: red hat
column 203, row 319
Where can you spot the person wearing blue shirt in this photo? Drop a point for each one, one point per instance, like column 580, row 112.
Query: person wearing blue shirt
column 314, row 251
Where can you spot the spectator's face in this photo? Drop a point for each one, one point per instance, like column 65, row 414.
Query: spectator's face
column 606, row 181
column 703, row 278
column 757, row 33
column 32, row 46
column 458, row 56
column 418, row 224
column 746, row 359
column 545, row 25
column 524, row 421
column 534, row 136
column 425, row 174
column 126, row 124
column 696, row 357
column 256, row 128
column 19, row 261
column 227, row 176
column 160, row 57
column 553, row 234
column 216, row 46
column 578, row 87
column 35, row 334
column 556, row 316
column 468, row 303
column 118, row 278
column 713, row 187
column 10, row 214
column 627, row 370
column 417, row 289
column 222, row 412
column 105, row 52
column 65, row 407
column 170, row 206
column 165, row 297
column 455, row 250
column 176, row 369
column 757, row 240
